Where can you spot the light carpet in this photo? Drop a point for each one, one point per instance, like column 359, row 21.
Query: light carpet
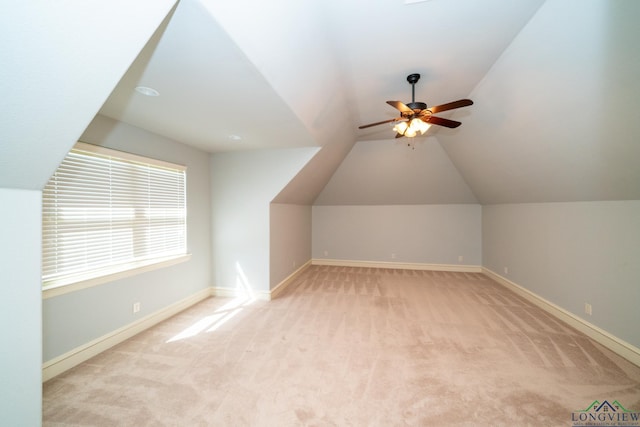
column 350, row 347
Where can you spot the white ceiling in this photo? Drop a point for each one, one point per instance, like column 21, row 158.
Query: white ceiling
column 557, row 117
column 60, row 61
column 210, row 93
column 210, row 89
column 554, row 86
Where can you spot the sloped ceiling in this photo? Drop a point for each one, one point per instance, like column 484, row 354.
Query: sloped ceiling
column 60, row 61
column 211, row 95
column 553, row 85
column 290, row 74
column 557, row 117
column 388, row 172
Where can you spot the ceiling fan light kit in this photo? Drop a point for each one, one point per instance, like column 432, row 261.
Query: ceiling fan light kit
column 417, row 117
column 412, row 128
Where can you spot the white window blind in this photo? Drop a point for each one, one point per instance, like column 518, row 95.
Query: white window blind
column 105, row 210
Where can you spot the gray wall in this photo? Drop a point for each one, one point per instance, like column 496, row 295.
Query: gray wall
column 73, row 319
column 243, row 184
column 290, row 240
column 429, row 234
column 572, row 253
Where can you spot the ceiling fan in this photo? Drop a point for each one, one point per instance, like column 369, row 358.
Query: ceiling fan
column 416, row 117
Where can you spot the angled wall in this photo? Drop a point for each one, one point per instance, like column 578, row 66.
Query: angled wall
column 289, row 240
column 243, row 184
column 60, row 62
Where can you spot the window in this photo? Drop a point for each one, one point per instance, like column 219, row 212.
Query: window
column 106, row 211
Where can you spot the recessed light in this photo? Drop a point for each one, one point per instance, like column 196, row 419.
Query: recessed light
column 235, row 137
column 147, row 91
column 414, row 1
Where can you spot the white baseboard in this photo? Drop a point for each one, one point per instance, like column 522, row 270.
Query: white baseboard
column 399, row 265
column 66, row 361
column 238, row 292
column 613, row 343
column 262, row 295
column 288, row 280
column 225, row 292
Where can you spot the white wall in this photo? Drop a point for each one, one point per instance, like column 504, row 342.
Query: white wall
column 572, row 253
column 243, row 184
column 428, row 234
column 76, row 318
column 290, row 240
column 20, row 316
column 60, row 61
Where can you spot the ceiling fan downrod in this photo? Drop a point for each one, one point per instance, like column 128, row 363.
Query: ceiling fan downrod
column 413, row 79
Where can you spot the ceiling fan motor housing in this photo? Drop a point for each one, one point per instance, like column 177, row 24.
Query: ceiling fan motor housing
column 417, row 106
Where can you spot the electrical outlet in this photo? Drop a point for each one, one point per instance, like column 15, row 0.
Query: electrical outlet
column 326, row 253
column 506, row 270
column 393, row 256
column 587, row 308
column 460, row 258
column 136, row 307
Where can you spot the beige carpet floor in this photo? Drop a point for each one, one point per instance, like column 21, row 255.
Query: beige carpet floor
column 350, row 347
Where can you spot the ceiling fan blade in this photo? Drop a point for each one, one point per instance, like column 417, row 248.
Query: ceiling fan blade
column 376, row 124
column 399, row 135
column 442, row 122
column 450, row 105
column 400, row 106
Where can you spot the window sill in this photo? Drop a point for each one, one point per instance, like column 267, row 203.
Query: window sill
column 61, row 287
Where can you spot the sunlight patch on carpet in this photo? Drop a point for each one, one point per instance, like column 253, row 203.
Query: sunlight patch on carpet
column 223, row 314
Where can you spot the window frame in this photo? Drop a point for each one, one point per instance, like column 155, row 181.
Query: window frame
column 59, row 286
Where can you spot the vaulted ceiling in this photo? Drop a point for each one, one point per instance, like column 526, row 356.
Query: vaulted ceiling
column 555, row 119
column 249, row 68
column 553, row 84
